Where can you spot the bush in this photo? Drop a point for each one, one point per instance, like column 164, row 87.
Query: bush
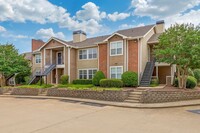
column 97, row 77
column 82, row 81
column 111, row 83
column 64, row 79
column 197, row 74
column 191, row 82
column 154, row 82
column 38, row 83
column 130, row 79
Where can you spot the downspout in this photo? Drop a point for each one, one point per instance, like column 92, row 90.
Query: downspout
column 69, row 49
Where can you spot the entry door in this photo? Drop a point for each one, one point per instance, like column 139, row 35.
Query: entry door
column 59, row 58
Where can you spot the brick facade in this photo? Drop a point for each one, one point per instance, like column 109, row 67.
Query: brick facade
column 103, row 58
column 133, row 55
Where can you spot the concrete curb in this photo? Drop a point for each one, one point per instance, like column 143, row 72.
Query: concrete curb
column 116, row 104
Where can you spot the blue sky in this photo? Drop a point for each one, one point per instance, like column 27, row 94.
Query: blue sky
column 22, row 20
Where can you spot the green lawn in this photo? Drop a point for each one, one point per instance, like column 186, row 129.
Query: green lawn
column 36, row 86
column 86, row 87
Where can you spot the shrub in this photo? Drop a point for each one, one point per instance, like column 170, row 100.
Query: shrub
column 64, row 79
column 38, row 83
column 97, row 77
column 197, row 74
column 82, row 81
column 111, row 83
column 191, row 82
column 154, row 82
column 130, row 79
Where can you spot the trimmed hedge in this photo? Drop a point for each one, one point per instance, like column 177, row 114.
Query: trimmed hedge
column 111, row 83
column 197, row 74
column 190, row 84
column 64, row 79
column 97, row 77
column 130, row 79
column 82, row 81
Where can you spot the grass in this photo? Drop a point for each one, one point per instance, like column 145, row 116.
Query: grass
column 44, row 86
column 86, row 87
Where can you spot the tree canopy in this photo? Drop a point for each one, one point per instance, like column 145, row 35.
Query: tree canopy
column 180, row 45
column 12, row 62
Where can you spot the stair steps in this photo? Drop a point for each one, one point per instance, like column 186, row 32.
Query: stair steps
column 135, row 96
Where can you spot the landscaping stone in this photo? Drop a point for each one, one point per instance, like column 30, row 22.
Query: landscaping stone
column 25, row 91
column 106, row 95
column 159, row 96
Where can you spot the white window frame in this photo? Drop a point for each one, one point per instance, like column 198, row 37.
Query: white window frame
column 87, row 55
column 114, row 42
column 87, row 72
column 116, row 73
column 40, row 59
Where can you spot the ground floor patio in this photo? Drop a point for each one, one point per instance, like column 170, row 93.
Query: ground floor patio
column 23, row 115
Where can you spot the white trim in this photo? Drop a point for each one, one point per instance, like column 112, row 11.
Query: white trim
column 127, row 59
column 69, row 53
column 36, row 59
column 54, row 47
column 98, row 56
column 87, row 71
column 116, row 67
column 149, row 31
column 124, row 37
column 125, row 55
column 108, row 59
column 53, row 38
column 44, row 57
column 51, row 57
column 117, row 42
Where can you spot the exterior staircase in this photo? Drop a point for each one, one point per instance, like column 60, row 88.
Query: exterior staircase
column 37, row 76
column 147, row 75
column 135, row 96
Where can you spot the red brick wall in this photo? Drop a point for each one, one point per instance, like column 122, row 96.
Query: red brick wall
column 36, row 44
column 133, row 55
column 103, row 58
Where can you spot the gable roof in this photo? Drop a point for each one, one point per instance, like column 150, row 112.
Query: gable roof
column 154, row 38
column 137, row 32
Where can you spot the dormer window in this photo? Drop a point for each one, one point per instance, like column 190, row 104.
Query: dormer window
column 116, row 48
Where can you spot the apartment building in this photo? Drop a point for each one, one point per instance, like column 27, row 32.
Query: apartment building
column 124, row 50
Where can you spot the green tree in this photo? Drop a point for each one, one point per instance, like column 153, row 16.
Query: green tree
column 180, row 45
column 12, row 62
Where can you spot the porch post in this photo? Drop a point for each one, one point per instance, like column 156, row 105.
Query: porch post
column 157, row 72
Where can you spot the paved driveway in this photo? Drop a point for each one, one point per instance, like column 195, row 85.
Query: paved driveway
column 19, row 115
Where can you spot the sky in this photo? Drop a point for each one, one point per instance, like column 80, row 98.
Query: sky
column 23, row 20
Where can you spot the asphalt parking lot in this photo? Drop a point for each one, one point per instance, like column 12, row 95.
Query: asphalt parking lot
column 25, row 115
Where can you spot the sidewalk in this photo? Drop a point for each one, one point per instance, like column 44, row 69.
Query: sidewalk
column 116, row 104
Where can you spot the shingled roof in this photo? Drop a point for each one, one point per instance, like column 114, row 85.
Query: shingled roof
column 154, row 38
column 129, row 33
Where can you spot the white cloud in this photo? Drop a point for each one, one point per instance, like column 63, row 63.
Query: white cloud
column 2, row 29
column 47, row 33
column 127, row 26
column 157, row 9
column 90, row 11
column 118, row 16
column 190, row 17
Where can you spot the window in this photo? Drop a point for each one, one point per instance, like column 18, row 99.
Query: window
column 116, row 72
column 87, row 73
column 82, row 54
column 37, row 58
column 92, row 53
column 88, row 53
column 116, row 48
